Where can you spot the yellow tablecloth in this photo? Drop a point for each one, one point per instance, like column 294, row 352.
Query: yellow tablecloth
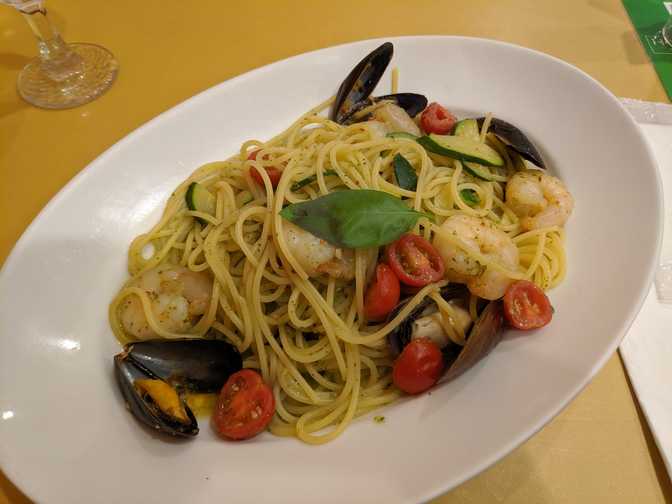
column 599, row 449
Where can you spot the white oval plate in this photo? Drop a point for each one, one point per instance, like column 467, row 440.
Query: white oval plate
column 65, row 435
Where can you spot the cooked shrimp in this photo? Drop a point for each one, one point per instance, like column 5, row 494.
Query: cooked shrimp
column 317, row 256
column 540, row 200
column 483, row 237
column 178, row 296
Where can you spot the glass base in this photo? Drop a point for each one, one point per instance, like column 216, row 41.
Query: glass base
column 99, row 69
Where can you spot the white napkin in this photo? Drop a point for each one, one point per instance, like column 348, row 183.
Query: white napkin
column 647, row 348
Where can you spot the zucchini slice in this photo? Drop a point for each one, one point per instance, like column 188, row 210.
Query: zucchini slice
column 478, row 171
column 199, row 199
column 468, row 128
column 462, row 148
column 402, row 134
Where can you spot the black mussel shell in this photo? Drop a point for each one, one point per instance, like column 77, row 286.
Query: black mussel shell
column 401, row 336
column 193, row 365
column 412, row 103
column 515, row 139
column 144, row 409
column 361, row 81
column 483, row 337
column 197, row 364
column 485, row 334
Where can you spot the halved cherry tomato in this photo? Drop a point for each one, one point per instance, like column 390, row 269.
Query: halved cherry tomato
column 526, row 306
column 418, row 367
column 436, row 119
column 245, row 406
column 383, row 294
column 272, row 172
column 415, row 261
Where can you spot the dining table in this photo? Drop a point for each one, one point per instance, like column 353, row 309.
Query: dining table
column 599, row 449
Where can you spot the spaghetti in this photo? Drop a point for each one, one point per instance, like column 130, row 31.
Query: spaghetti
column 307, row 334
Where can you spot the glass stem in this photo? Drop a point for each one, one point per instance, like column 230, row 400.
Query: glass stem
column 59, row 62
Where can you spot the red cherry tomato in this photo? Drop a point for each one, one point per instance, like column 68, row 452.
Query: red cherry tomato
column 415, row 261
column 272, row 172
column 436, row 119
column 526, row 306
column 383, row 294
column 418, row 367
column 245, row 406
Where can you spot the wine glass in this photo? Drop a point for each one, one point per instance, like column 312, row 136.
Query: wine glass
column 63, row 75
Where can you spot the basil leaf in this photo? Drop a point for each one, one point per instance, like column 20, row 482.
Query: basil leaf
column 406, row 177
column 354, row 218
column 470, row 197
column 309, row 180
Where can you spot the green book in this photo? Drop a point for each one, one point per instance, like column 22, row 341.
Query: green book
column 649, row 17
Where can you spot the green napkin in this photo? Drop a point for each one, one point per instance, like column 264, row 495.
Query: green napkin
column 648, row 17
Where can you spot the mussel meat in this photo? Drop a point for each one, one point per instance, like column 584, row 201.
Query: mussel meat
column 354, row 93
column 154, row 375
column 483, row 336
column 514, row 139
column 417, row 322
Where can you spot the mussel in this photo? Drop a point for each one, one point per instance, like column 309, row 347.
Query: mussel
column 485, row 335
column 404, row 332
column 412, row 103
column 354, row 93
column 361, row 81
column 154, row 376
column 514, row 139
column 481, row 338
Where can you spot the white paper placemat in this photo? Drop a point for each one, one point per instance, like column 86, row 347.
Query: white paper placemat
column 647, row 348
